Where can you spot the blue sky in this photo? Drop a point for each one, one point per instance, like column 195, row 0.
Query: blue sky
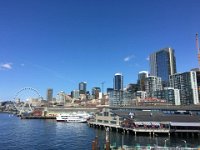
column 57, row 44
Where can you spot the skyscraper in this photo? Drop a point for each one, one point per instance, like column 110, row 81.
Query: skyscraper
column 49, row 94
column 82, row 87
column 95, row 92
column 163, row 64
column 75, row 94
column 141, row 80
column 118, row 82
column 61, row 98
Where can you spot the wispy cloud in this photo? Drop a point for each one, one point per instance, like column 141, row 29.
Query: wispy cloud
column 128, row 58
column 22, row 65
column 6, row 66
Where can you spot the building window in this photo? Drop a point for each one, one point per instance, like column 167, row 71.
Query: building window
column 112, row 115
column 105, row 121
column 113, row 122
column 106, row 113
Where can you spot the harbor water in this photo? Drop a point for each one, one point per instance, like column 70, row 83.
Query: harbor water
column 39, row 134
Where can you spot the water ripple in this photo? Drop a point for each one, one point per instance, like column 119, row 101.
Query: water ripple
column 51, row 135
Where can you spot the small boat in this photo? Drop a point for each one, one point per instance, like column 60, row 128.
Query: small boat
column 71, row 118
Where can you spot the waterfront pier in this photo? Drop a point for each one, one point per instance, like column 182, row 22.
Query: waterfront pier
column 151, row 122
column 126, row 130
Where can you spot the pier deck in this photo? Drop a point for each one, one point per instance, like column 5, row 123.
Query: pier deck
column 141, row 130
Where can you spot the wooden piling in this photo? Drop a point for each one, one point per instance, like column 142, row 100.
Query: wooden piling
column 107, row 145
column 93, row 145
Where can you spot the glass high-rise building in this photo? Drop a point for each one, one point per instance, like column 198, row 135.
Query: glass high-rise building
column 49, row 94
column 75, row 94
column 163, row 64
column 118, row 82
column 82, row 87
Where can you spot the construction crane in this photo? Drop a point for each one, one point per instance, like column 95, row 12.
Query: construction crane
column 102, row 86
column 198, row 49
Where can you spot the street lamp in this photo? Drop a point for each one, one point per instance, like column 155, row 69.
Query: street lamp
column 185, row 143
column 166, row 142
column 178, row 147
column 156, row 136
column 122, row 140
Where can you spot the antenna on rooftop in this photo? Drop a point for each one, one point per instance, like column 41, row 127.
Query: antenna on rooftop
column 198, row 49
column 102, row 86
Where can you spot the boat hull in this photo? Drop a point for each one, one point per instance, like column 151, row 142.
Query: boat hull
column 73, row 117
column 72, row 121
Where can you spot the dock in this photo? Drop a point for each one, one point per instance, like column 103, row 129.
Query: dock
column 38, row 117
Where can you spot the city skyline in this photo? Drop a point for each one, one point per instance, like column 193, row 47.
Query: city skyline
column 57, row 45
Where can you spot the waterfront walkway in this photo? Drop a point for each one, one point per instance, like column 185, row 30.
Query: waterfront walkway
column 135, row 130
column 152, row 148
column 127, row 130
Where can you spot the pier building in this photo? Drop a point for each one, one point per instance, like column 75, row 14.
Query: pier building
column 150, row 120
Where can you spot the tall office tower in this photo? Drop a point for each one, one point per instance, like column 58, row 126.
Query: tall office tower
column 163, row 64
column 49, row 94
column 61, row 97
column 118, row 82
column 187, row 84
column 75, row 94
column 109, row 90
column 95, row 92
column 82, row 87
column 141, row 80
column 152, row 83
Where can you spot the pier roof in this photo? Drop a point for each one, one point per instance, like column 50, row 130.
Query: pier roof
column 156, row 116
column 186, row 107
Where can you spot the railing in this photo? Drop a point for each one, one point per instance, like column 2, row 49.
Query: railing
column 153, row 148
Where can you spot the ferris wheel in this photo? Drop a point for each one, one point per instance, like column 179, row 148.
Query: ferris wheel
column 23, row 99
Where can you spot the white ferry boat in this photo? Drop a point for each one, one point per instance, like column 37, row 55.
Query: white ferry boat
column 84, row 115
column 73, row 117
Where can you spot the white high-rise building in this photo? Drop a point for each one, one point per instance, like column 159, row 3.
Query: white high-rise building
column 187, row 84
column 61, row 97
column 152, row 83
column 171, row 95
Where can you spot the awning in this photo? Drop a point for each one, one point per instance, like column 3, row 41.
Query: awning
column 138, row 123
column 147, row 123
column 189, row 124
column 155, row 123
